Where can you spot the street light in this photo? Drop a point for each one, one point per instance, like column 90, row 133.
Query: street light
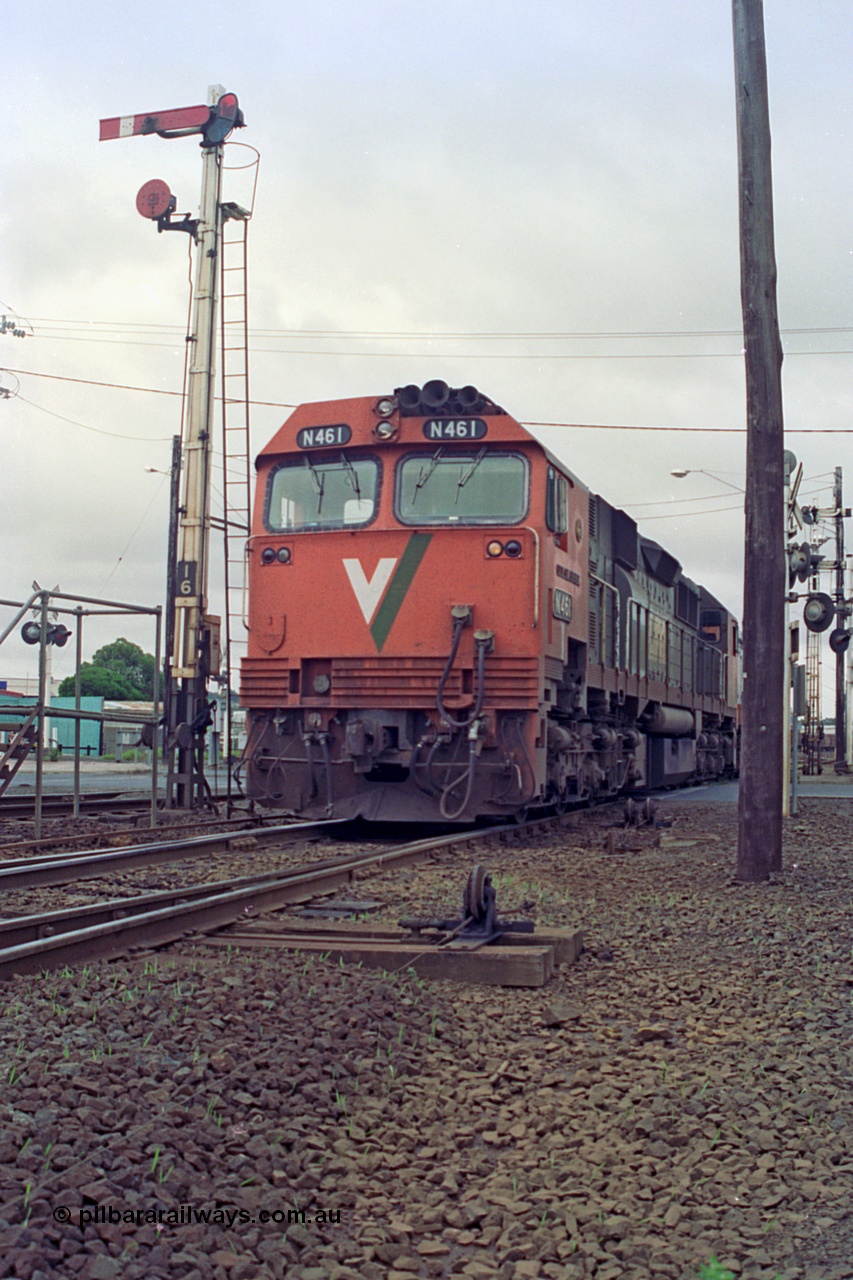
column 681, row 472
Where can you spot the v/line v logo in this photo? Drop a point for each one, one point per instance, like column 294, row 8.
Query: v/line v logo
column 380, row 597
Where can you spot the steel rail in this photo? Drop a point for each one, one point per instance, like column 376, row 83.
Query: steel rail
column 19, row 929
column 54, row 803
column 43, row 871
column 161, row 925
column 113, row 837
column 16, row 805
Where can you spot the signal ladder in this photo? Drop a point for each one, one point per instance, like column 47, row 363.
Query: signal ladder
column 813, row 733
column 236, row 484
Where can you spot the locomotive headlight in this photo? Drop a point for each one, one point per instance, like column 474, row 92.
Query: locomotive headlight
column 385, row 407
column 284, row 555
column 386, row 430
column 322, row 684
column 513, row 548
column 268, row 555
column 494, row 548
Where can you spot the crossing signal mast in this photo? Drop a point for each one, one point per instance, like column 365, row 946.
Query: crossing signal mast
column 192, row 635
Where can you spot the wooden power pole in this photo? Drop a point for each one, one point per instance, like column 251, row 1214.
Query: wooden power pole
column 765, row 580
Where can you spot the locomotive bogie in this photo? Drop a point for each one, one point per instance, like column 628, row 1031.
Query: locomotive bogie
column 444, row 623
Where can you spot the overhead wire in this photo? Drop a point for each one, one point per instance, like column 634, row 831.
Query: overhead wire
column 126, row 386
column 116, row 435
column 283, row 404
column 454, row 355
column 490, row 335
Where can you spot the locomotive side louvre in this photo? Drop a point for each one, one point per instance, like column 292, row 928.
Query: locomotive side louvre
column 440, row 618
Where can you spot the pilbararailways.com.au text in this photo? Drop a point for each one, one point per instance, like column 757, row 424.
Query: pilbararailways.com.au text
column 189, row 1215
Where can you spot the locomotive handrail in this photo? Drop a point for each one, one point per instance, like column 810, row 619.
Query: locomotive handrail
column 535, row 574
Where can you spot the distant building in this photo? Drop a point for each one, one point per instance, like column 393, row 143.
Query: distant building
column 27, row 686
column 62, row 730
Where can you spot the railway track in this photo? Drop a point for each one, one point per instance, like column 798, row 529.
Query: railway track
column 23, row 806
column 40, row 871
column 112, row 837
column 32, row 944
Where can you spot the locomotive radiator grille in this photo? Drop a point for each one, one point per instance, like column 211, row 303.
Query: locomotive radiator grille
column 264, row 682
column 408, row 683
column 412, row 682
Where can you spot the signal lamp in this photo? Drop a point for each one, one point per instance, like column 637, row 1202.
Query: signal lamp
column 839, row 640
column 494, row 548
column 819, row 612
column 513, row 548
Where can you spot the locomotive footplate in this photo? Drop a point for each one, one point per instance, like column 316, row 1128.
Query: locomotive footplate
column 479, row 924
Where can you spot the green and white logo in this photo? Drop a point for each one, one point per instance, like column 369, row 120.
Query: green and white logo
column 381, row 596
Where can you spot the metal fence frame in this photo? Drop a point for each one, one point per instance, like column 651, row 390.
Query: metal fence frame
column 42, row 603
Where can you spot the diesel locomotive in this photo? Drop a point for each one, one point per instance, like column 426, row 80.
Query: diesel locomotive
column 444, row 623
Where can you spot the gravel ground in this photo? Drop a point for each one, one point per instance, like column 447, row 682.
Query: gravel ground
column 681, row 1093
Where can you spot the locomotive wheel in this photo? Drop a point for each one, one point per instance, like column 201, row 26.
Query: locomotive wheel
column 474, row 898
column 630, row 812
column 649, row 810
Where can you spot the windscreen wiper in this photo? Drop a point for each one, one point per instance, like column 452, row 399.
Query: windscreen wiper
column 426, row 472
column 352, row 475
column 318, row 480
column 463, row 479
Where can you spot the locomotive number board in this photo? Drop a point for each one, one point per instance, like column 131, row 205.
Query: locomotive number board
column 562, row 605
column 323, row 437
column 455, row 429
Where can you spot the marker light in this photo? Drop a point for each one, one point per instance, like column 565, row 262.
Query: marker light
column 513, row 548
column 268, row 555
column 494, row 548
column 284, row 555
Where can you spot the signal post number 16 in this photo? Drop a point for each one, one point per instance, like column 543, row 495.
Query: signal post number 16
column 186, row 579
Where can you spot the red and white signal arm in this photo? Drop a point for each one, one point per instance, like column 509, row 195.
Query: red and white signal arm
column 155, row 122
column 154, row 199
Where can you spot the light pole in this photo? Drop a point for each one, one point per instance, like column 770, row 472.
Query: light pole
column 681, row 472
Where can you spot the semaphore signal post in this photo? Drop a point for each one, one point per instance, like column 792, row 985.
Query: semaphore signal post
column 192, row 635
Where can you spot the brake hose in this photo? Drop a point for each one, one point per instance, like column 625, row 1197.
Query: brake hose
column 482, row 644
column 468, row 778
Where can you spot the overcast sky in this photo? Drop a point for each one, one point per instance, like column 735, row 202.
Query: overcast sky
column 536, row 196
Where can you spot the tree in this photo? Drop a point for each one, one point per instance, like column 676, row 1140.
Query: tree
column 99, row 682
column 117, row 670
